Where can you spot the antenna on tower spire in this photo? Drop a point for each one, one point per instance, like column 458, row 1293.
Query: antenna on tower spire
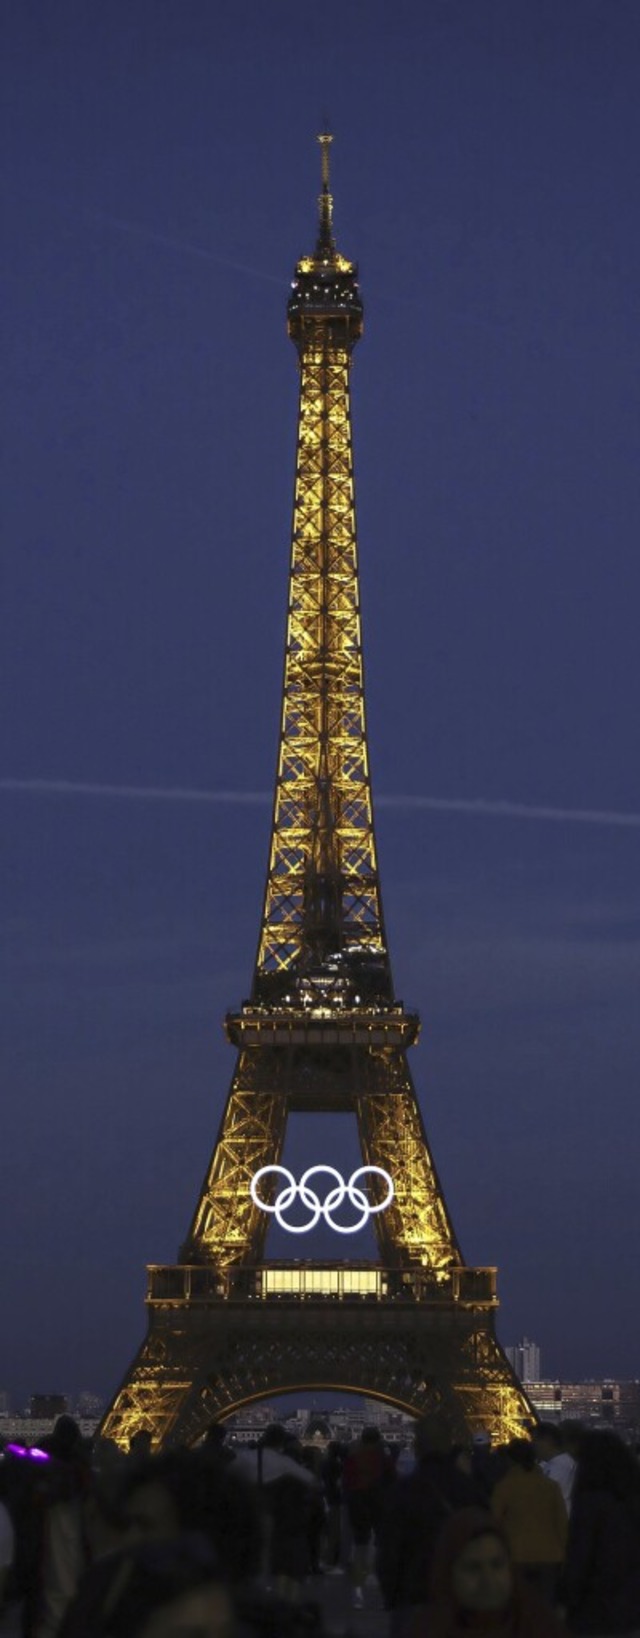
column 325, row 201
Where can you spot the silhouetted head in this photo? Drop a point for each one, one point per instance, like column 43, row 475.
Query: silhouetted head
column 430, row 1437
column 371, row 1436
column 66, row 1441
column 274, row 1437
column 522, row 1454
column 213, row 1443
column 548, row 1441
column 605, row 1463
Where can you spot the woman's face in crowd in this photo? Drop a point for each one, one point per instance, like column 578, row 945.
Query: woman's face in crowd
column 482, row 1578
column 203, row 1613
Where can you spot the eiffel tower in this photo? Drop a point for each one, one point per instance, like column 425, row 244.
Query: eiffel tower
column 321, row 1031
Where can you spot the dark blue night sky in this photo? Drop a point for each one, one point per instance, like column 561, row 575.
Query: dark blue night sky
column 159, row 179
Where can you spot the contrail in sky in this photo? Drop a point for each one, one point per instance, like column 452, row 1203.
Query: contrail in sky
column 141, row 232
column 136, row 793
column 478, row 807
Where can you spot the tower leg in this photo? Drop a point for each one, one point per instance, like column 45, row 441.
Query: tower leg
column 227, row 1228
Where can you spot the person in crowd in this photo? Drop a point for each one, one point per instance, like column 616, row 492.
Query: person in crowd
column 331, row 1475
column 56, row 1503
column 180, row 1491
column 602, row 1574
column 175, row 1497
column 462, row 1459
column 273, row 1458
column 158, row 1589
column 214, row 1446
column 404, row 1459
column 7, row 1546
column 368, row 1470
column 554, row 1459
column 54, row 1530
column 530, row 1509
column 475, row 1587
column 488, row 1462
column 288, row 1492
column 573, row 1433
column 311, row 1458
column 106, row 1455
column 415, row 1508
column 19, row 1480
column 141, row 1444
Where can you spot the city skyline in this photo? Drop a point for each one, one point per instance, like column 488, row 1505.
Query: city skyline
column 150, row 413
column 604, row 1402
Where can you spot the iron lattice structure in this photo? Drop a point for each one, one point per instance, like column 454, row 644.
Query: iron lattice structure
column 322, row 1029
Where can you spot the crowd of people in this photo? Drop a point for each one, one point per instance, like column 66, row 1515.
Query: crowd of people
column 536, row 1538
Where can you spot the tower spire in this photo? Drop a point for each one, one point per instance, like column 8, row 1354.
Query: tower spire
column 326, row 242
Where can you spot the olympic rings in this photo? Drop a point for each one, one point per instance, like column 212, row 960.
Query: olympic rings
column 314, row 1205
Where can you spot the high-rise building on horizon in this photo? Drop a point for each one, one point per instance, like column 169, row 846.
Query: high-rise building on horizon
column 524, row 1356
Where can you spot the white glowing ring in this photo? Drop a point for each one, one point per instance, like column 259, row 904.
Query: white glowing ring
column 357, row 1198
column 314, row 1205
column 334, row 1198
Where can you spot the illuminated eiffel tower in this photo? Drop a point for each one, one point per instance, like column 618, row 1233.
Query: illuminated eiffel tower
column 322, row 1031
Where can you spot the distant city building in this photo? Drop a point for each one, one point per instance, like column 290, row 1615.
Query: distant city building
column 247, row 1426
column 390, row 1421
column 43, row 1407
column 89, row 1406
column 4, row 1402
column 524, row 1357
column 319, row 1425
column 605, row 1403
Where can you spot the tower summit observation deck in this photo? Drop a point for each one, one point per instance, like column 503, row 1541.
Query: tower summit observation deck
column 321, row 1030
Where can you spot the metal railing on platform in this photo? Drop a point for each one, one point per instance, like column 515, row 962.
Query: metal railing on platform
column 312, row 1282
